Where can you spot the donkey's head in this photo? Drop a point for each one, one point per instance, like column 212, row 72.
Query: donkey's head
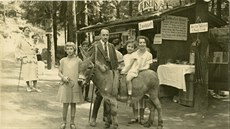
column 86, row 70
column 90, row 67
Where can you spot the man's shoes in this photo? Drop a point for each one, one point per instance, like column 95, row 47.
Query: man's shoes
column 93, row 123
column 142, row 121
column 133, row 120
column 28, row 89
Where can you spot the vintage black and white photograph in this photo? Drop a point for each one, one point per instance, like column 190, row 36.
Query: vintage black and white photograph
column 114, row 64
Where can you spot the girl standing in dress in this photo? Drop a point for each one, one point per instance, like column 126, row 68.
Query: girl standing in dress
column 69, row 92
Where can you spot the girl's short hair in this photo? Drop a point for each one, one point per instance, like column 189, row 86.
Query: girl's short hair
column 131, row 42
column 143, row 37
column 70, row 44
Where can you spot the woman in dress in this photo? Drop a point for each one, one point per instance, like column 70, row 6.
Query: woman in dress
column 26, row 53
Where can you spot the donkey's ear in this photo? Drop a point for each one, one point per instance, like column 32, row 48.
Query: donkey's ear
column 82, row 53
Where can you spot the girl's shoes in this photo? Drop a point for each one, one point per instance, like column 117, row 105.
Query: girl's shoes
column 63, row 126
column 28, row 89
column 72, row 126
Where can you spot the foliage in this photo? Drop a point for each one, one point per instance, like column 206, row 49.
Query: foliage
column 98, row 11
column 105, row 11
column 37, row 13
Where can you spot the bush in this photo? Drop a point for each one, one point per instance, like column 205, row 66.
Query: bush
column 60, row 54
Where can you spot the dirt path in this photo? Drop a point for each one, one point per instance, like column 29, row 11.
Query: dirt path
column 23, row 110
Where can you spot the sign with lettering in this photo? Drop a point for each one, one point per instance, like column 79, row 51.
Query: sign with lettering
column 145, row 25
column 199, row 27
column 146, row 6
column 174, row 28
column 157, row 39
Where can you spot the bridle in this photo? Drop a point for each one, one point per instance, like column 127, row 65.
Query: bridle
column 93, row 69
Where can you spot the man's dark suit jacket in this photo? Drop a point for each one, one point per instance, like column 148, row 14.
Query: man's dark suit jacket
column 112, row 63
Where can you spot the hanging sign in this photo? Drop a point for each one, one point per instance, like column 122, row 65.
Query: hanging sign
column 145, row 25
column 199, row 27
column 157, row 39
column 174, row 28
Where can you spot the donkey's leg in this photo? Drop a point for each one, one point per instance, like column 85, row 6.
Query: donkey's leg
column 152, row 108
column 157, row 104
column 114, row 108
column 107, row 113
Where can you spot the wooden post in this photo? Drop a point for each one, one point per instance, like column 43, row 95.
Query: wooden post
column 55, row 28
column 201, row 62
column 49, row 50
column 50, row 47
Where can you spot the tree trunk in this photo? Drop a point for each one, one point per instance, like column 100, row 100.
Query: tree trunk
column 55, row 28
column 218, row 8
column 71, row 25
column 201, row 62
column 130, row 8
column 4, row 14
column 118, row 10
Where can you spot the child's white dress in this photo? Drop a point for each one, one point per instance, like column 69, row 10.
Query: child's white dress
column 70, row 92
column 142, row 62
column 127, row 60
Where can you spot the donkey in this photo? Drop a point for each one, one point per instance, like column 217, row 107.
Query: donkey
column 107, row 82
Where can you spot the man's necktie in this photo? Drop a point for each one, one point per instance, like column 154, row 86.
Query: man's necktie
column 106, row 52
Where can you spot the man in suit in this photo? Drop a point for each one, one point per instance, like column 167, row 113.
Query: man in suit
column 106, row 54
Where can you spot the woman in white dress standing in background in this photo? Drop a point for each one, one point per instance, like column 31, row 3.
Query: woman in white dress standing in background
column 26, row 53
column 39, row 46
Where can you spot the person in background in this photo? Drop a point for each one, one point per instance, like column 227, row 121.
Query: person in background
column 122, row 48
column 117, row 46
column 35, row 38
column 26, row 52
column 69, row 92
column 39, row 46
column 84, row 48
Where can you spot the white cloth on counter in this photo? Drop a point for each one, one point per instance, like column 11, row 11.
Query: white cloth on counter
column 174, row 74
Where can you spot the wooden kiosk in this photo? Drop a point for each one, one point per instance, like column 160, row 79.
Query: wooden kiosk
column 175, row 43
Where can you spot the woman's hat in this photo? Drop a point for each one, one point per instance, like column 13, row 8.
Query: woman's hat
column 23, row 28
